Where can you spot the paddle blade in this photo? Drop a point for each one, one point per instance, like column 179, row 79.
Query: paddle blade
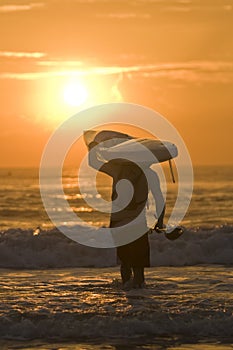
column 176, row 233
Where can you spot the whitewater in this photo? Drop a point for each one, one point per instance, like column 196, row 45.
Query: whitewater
column 34, row 249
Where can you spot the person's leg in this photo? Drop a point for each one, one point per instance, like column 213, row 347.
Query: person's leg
column 126, row 272
column 138, row 278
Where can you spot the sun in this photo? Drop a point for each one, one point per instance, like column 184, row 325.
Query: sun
column 75, row 94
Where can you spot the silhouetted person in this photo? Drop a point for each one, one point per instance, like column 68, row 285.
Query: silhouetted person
column 134, row 256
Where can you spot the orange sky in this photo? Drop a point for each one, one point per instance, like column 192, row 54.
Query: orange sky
column 174, row 56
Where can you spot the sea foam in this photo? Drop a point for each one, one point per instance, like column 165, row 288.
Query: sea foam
column 51, row 249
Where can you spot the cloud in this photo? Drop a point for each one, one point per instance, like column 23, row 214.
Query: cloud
column 17, row 7
column 16, row 54
column 184, row 1
column 189, row 71
column 227, row 7
column 115, row 92
column 60, row 63
column 195, row 71
column 123, row 15
column 176, row 9
column 110, row 70
column 187, row 6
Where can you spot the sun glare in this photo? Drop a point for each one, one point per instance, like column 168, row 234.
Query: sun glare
column 75, row 94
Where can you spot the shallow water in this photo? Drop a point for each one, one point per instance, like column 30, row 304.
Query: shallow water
column 158, row 344
column 179, row 305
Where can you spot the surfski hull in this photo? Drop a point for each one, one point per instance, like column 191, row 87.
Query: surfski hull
column 114, row 145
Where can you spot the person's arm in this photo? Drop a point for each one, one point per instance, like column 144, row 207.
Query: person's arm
column 154, row 187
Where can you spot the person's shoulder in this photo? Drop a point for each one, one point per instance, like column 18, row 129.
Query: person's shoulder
column 109, row 168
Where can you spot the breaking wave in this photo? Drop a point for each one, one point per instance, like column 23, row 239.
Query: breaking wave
column 51, row 249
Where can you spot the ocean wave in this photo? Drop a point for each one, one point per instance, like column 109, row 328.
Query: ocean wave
column 61, row 326
column 30, row 249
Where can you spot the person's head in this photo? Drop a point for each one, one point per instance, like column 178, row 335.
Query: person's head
column 92, row 144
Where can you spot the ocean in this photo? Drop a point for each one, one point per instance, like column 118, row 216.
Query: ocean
column 21, row 206
column 58, row 294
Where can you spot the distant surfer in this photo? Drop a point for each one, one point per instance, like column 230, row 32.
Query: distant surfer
column 134, row 256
